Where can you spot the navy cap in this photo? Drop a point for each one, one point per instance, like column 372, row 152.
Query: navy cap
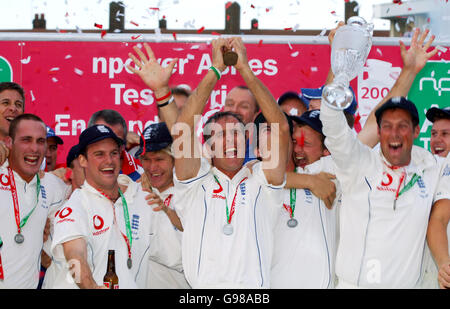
column 51, row 133
column 311, row 119
column 316, row 93
column 72, row 155
column 95, row 134
column 155, row 137
column 398, row 102
column 436, row 113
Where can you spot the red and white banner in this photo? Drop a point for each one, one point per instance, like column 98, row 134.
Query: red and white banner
column 65, row 82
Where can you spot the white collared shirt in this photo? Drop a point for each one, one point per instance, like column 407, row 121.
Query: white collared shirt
column 212, row 259
column 21, row 262
column 89, row 215
column 304, row 256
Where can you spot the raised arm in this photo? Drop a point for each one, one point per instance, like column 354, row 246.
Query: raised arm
column 275, row 168
column 187, row 163
column 414, row 59
column 157, row 79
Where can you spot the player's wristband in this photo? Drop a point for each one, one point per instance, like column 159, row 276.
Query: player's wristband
column 166, row 103
column 164, row 97
column 217, row 72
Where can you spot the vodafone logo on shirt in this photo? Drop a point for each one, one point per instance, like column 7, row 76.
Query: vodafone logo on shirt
column 98, row 224
column 386, row 183
column 4, row 182
column 63, row 214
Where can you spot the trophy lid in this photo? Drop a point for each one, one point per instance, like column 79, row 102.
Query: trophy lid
column 359, row 21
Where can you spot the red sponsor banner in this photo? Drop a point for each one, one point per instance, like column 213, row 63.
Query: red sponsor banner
column 66, row 82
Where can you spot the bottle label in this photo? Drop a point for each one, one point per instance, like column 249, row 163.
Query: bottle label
column 116, row 287
column 107, row 284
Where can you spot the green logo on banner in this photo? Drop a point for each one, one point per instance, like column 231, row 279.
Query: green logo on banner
column 6, row 73
column 431, row 88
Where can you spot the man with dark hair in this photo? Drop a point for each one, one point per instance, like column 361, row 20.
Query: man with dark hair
column 12, row 104
column 53, row 141
column 240, row 202
column 440, row 132
column 117, row 123
column 109, row 212
column 292, row 104
column 28, row 199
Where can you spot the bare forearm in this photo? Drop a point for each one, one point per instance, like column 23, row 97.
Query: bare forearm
column 169, row 112
column 438, row 241
column 173, row 217
column 76, row 256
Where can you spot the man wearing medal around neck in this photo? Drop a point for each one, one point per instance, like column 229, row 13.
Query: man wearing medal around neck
column 387, row 191
column 227, row 211
column 109, row 212
column 27, row 201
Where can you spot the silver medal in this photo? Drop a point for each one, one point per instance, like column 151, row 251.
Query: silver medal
column 129, row 263
column 19, row 238
column 292, row 222
column 228, row 229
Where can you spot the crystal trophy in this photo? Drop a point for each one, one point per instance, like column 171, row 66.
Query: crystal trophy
column 349, row 51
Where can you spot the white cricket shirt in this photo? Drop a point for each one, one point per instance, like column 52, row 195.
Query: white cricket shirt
column 21, row 262
column 212, row 259
column 304, row 255
column 89, row 215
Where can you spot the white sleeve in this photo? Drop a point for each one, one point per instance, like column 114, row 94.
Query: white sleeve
column 70, row 223
column 187, row 190
column 443, row 188
column 273, row 193
column 348, row 153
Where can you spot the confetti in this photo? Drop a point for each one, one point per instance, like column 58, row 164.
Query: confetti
column 379, row 52
column 295, row 54
column 215, row 33
column 103, row 33
column 135, row 37
column 154, row 9
column 201, row 30
column 54, row 69
column 134, row 23
column 290, row 28
column 32, row 96
column 54, row 79
column 78, row 71
column 314, row 69
column 190, row 57
column 195, row 47
column 174, row 36
column 397, row 27
column 98, row 26
column 301, row 140
column 333, row 13
column 260, row 43
column 441, row 48
column 255, row 25
column 290, row 46
column 322, row 33
column 26, row 60
column 178, row 49
column 252, row 6
column 228, row 4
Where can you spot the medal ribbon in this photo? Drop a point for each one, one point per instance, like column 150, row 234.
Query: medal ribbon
column 292, row 200
column 230, row 212
column 128, row 237
column 21, row 223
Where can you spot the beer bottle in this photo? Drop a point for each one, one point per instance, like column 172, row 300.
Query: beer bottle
column 110, row 280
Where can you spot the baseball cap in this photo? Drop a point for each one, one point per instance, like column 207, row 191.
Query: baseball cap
column 311, row 119
column 316, row 93
column 95, row 134
column 398, row 102
column 155, row 137
column 436, row 113
column 72, row 155
column 51, row 133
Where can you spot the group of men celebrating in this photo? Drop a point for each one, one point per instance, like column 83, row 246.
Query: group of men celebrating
column 296, row 201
